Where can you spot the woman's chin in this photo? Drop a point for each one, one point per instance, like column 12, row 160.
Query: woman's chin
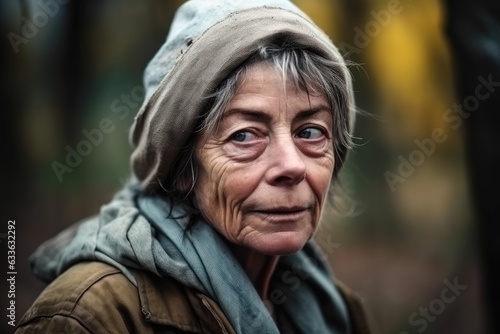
column 280, row 243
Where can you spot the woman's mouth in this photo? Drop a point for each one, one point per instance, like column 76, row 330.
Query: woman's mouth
column 282, row 214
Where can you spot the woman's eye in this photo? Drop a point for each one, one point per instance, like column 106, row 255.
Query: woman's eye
column 310, row 133
column 242, row 136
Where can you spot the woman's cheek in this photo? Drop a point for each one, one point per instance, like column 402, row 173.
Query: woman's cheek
column 219, row 200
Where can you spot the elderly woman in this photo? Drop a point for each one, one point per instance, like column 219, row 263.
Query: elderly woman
column 246, row 122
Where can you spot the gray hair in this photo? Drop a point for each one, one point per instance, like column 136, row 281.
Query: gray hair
column 309, row 72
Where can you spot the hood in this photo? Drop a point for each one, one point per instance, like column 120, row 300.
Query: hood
column 206, row 42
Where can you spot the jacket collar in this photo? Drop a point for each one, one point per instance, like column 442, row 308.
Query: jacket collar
column 164, row 301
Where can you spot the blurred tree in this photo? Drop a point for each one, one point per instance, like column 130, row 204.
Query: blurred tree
column 474, row 31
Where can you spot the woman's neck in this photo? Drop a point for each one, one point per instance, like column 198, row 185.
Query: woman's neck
column 259, row 268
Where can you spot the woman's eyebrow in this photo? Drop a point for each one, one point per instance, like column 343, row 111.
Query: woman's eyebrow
column 306, row 113
column 261, row 116
column 252, row 114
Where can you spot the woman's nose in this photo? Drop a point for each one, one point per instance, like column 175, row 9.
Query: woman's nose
column 286, row 163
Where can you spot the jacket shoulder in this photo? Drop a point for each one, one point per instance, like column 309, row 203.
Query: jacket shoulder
column 355, row 305
column 90, row 297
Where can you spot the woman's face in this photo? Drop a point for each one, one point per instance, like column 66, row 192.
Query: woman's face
column 264, row 174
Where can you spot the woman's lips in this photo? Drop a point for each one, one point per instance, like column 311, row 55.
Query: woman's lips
column 282, row 214
column 283, row 210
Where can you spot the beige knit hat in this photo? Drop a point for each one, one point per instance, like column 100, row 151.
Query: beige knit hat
column 208, row 39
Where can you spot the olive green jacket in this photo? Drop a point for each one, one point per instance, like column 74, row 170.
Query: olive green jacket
column 94, row 297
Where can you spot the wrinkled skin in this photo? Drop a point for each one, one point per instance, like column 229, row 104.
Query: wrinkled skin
column 265, row 173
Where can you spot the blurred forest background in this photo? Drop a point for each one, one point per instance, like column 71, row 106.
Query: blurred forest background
column 414, row 227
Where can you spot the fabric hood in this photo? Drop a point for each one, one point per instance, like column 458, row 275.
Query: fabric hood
column 206, row 42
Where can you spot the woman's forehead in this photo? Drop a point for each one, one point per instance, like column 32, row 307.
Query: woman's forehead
column 264, row 77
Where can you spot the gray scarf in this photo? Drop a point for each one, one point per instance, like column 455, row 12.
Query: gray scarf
column 143, row 232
